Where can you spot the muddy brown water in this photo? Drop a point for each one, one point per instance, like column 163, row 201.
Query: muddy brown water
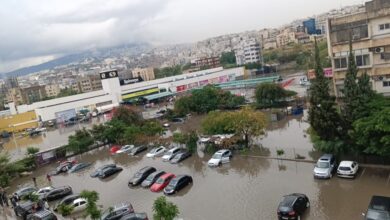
column 247, row 188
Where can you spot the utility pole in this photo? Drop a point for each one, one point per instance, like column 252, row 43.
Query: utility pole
column 262, row 54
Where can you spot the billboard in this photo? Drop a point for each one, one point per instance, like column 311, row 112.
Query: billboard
column 64, row 116
column 328, row 73
column 181, row 88
column 140, row 93
column 203, row 82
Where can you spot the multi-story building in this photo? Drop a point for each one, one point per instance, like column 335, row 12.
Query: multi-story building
column 310, row 26
column 145, row 73
column 370, row 32
column 52, row 90
column 249, row 52
column 26, row 95
column 210, row 62
column 285, row 37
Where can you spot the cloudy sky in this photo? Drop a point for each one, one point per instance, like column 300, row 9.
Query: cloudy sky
column 36, row 31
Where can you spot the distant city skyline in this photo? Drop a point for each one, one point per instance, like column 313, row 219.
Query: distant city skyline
column 38, row 31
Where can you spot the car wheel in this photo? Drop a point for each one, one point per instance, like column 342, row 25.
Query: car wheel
column 219, row 164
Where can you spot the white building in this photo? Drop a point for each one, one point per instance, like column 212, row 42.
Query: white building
column 248, row 52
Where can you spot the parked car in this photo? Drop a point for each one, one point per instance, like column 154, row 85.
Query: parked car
column 162, row 182
column 109, row 171
column 220, row 157
column 293, row 206
column 25, row 208
column 67, row 201
column 205, row 139
column 125, row 149
column 42, row 215
column 20, row 193
column 378, row 209
column 138, row 150
column 63, row 167
column 177, row 183
column 182, row 155
column 347, row 169
column 114, row 149
column 152, row 178
column 79, row 204
column 98, row 170
column 155, row 152
column 325, row 166
column 141, row 175
column 118, row 211
column 178, row 120
column 166, row 125
column 58, row 193
column 78, row 166
column 135, row 216
column 43, row 191
column 171, row 153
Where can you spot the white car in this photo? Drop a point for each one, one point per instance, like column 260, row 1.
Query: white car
column 79, row 205
column 348, row 169
column 205, row 139
column 125, row 149
column 155, row 152
column 42, row 191
column 220, row 157
column 170, row 153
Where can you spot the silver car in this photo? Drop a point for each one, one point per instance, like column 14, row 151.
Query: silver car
column 325, row 167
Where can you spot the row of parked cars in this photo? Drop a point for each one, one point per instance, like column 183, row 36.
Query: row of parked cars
column 326, row 166
column 157, row 180
column 25, row 209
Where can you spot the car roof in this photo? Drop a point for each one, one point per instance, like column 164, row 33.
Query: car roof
column 346, row 163
column 79, row 200
column 181, row 176
column 145, row 169
column 288, row 200
column 121, row 205
column 166, row 175
column 175, row 148
column 381, row 203
column 221, row 151
column 326, row 157
column 43, row 213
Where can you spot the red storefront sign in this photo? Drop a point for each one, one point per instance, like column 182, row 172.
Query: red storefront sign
column 181, row 88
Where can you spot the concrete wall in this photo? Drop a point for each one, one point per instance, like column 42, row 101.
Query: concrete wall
column 18, row 122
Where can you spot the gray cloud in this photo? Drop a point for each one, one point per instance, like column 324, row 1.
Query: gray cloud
column 30, row 30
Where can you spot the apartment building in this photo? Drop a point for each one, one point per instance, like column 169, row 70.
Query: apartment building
column 285, row 37
column 26, row 95
column 249, row 52
column 370, row 31
column 52, row 90
column 145, row 73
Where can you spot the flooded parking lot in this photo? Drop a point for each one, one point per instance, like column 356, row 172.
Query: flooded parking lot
column 247, row 188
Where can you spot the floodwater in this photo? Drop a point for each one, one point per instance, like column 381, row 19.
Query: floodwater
column 247, row 188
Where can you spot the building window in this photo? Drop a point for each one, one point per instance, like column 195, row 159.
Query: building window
column 340, row 62
column 384, row 26
column 386, row 83
column 363, row 60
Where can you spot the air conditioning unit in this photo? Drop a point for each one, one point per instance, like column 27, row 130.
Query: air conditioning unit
column 379, row 49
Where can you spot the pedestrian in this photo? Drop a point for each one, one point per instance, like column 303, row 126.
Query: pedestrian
column 4, row 197
column 34, row 179
column 13, row 201
column 1, row 203
column 48, row 177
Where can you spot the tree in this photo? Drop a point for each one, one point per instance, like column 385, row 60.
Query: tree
column 183, row 106
column 244, row 123
column 127, row 115
column 97, row 132
column 323, row 116
column 190, row 140
column 8, row 169
column 228, row 58
column 92, row 210
column 80, row 141
column 114, row 131
column 271, row 95
column 350, row 91
column 164, row 210
column 205, row 100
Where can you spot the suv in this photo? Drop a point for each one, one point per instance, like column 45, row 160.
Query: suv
column 325, row 166
column 141, row 175
column 42, row 215
column 25, row 208
column 379, row 208
column 293, row 206
column 58, row 193
column 220, row 157
column 117, row 211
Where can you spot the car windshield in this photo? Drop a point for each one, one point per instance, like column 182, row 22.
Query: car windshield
column 177, row 156
column 150, row 177
column 345, row 168
column 138, row 174
column 173, row 182
column 217, row 156
column 321, row 164
column 377, row 215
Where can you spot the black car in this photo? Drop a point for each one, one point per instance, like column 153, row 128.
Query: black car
column 118, row 211
column 137, row 150
column 182, row 155
column 62, row 168
column 152, row 178
column 42, row 215
column 98, row 170
column 58, row 193
column 293, row 206
column 141, row 175
column 67, row 200
column 79, row 166
column 135, row 216
column 378, row 209
column 109, row 171
column 177, row 183
column 25, row 208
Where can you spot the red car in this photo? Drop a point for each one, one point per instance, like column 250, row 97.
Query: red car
column 114, row 149
column 162, row 182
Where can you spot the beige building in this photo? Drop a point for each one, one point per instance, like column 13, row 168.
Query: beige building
column 371, row 45
column 285, row 37
column 26, row 95
column 145, row 73
column 52, row 90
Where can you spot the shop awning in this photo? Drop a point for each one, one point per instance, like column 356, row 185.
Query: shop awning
column 158, row 95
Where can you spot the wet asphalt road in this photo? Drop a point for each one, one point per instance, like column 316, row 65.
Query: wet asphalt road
column 247, row 188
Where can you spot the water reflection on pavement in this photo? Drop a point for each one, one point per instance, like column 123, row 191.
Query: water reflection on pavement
column 247, row 188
